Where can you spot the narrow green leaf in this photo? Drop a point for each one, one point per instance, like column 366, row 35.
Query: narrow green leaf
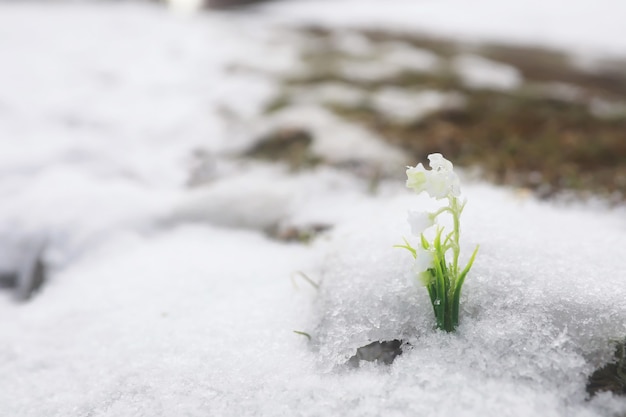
column 467, row 268
column 440, row 301
column 425, row 243
column 308, row 336
column 306, row 278
column 447, row 239
column 408, row 247
column 457, row 290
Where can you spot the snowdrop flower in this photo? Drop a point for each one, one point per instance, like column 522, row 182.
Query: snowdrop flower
column 439, row 163
column 424, row 260
column 440, row 182
column 437, row 261
column 420, row 221
column 417, row 178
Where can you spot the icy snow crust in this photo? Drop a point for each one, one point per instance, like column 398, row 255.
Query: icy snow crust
column 164, row 300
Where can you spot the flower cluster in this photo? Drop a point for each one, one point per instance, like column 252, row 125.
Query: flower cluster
column 434, row 268
column 440, row 182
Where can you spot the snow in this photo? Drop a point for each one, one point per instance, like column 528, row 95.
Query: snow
column 353, row 44
column 581, row 26
column 164, row 299
column 334, row 140
column 329, row 92
column 405, row 106
column 408, row 58
column 397, row 58
column 477, row 72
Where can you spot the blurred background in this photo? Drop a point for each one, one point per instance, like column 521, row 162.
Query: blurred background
column 530, row 95
column 110, row 111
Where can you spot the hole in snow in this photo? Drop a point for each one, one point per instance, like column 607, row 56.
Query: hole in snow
column 381, row 352
column 612, row 376
column 28, row 275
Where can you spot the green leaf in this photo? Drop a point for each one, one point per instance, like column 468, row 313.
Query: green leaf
column 457, row 289
column 306, row 278
column 308, row 336
column 447, row 239
column 425, row 243
column 408, row 247
column 439, row 304
column 467, row 268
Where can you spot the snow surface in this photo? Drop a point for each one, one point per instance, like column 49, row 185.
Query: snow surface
column 585, row 26
column 405, row 106
column 168, row 300
column 477, row 72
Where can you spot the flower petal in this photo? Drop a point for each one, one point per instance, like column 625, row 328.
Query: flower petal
column 439, row 163
column 417, row 178
column 419, row 221
column 424, row 260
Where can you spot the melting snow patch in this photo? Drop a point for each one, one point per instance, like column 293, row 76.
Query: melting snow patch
column 330, row 93
column 405, row 106
column 478, row 72
column 406, row 57
column 365, row 70
column 336, row 141
column 352, row 43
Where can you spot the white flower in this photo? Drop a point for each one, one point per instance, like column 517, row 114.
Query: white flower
column 440, row 182
column 420, row 221
column 424, row 260
column 439, row 163
column 417, row 178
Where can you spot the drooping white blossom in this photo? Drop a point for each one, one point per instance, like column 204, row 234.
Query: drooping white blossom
column 420, row 221
column 436, row 264
column 417, row 178
column 439, row 163
column 439, row 182
column 424, row 260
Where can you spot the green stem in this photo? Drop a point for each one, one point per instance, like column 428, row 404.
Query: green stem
column 457, row 290
column 456, row 215
column 441, row 277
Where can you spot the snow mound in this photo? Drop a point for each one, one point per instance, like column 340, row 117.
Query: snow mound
column 539, row 308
